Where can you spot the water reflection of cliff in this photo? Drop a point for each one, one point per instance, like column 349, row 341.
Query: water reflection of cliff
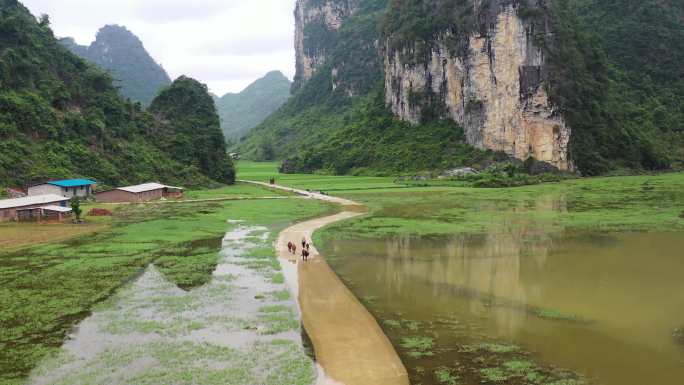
column 488, row 265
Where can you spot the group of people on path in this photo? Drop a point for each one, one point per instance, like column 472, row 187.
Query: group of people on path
column 292, row 248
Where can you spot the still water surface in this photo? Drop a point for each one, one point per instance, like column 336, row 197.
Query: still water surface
column 604, row 306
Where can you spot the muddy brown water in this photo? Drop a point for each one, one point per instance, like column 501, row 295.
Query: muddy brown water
column 604, row 306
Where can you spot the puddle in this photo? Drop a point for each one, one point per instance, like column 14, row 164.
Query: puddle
column 232, row 330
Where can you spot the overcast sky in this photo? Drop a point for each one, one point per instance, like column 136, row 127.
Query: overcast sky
column 226, row 44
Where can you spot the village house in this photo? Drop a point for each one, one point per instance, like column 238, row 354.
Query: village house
column 139, row 193
column 34, row 207
column 68, row 188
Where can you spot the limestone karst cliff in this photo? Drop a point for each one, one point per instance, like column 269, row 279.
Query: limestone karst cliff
column 316, row 25
column 397, row 85
column 492, row 81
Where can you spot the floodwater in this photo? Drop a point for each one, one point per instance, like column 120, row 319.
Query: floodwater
column 238, row 327
column 603, row 306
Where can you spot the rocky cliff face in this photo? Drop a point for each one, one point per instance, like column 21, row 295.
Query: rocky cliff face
column 493, row 82
column 316, row 26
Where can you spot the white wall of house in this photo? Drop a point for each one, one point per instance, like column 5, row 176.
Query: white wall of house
column 79, row 191
column 67, row 192
column 45, row 189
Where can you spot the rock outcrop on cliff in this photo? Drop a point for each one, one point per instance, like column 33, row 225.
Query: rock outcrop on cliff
column 316, row 25
column 492, row 81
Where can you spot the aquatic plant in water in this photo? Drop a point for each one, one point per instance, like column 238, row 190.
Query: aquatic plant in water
column 678, row 335
column 418, row 346
column 447, row 376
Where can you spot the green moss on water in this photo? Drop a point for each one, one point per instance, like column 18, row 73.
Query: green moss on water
column 277, row 319
column 491, row 348
column 494, row 374
column 276, row 363
column 554, row 314
column 283, row 295
column 278, row 278
column 447, row 376
column 392, row 323
column 418, row 347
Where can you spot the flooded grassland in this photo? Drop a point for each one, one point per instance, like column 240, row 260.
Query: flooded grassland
column 48, row 290
column 573, row 283
column 242, row 327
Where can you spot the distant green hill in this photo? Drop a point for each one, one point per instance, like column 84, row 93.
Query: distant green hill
column 245, row 110
column 119, row 51
column 62, row 117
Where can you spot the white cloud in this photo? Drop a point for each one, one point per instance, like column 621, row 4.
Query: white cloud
column 224, row 43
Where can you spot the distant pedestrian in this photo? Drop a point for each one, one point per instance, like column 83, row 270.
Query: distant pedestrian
column 289, row 247
column 305, row 255
column 308, row 246
column 303, row 243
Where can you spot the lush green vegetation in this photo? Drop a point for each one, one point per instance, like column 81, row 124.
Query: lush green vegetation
column 48, row 289
column 607, row 204
column 118, row 51
column 615, row 77
column 650, row 202
column 621, row 95
column 245, row 110
column 60, row 117
column 191, row 134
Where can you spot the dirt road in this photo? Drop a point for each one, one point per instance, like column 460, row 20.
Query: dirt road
column 349, row 344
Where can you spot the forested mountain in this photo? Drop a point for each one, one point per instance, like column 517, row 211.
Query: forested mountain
column 121, row 53
column 592, row 86
column 191, row 132
column 243, row 111
column 62, row 117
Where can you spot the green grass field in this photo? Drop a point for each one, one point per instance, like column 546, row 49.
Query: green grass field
column 48, row 289
column 629, row 203
column 263, row 171
column 236, row 191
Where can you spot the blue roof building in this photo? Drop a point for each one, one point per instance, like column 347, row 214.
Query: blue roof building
column 72, row 182
column 67, row 188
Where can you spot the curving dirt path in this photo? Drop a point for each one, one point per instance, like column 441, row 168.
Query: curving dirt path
column 349, row 344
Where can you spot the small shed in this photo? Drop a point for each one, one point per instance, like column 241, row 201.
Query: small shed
column 46, row 213
column 139, row 193
column 10, row 208
column 68, row 188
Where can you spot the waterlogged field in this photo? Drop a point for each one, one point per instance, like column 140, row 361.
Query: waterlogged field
column 263, row 171
column 563, row 283
column 49, row 289
column 240, row 328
